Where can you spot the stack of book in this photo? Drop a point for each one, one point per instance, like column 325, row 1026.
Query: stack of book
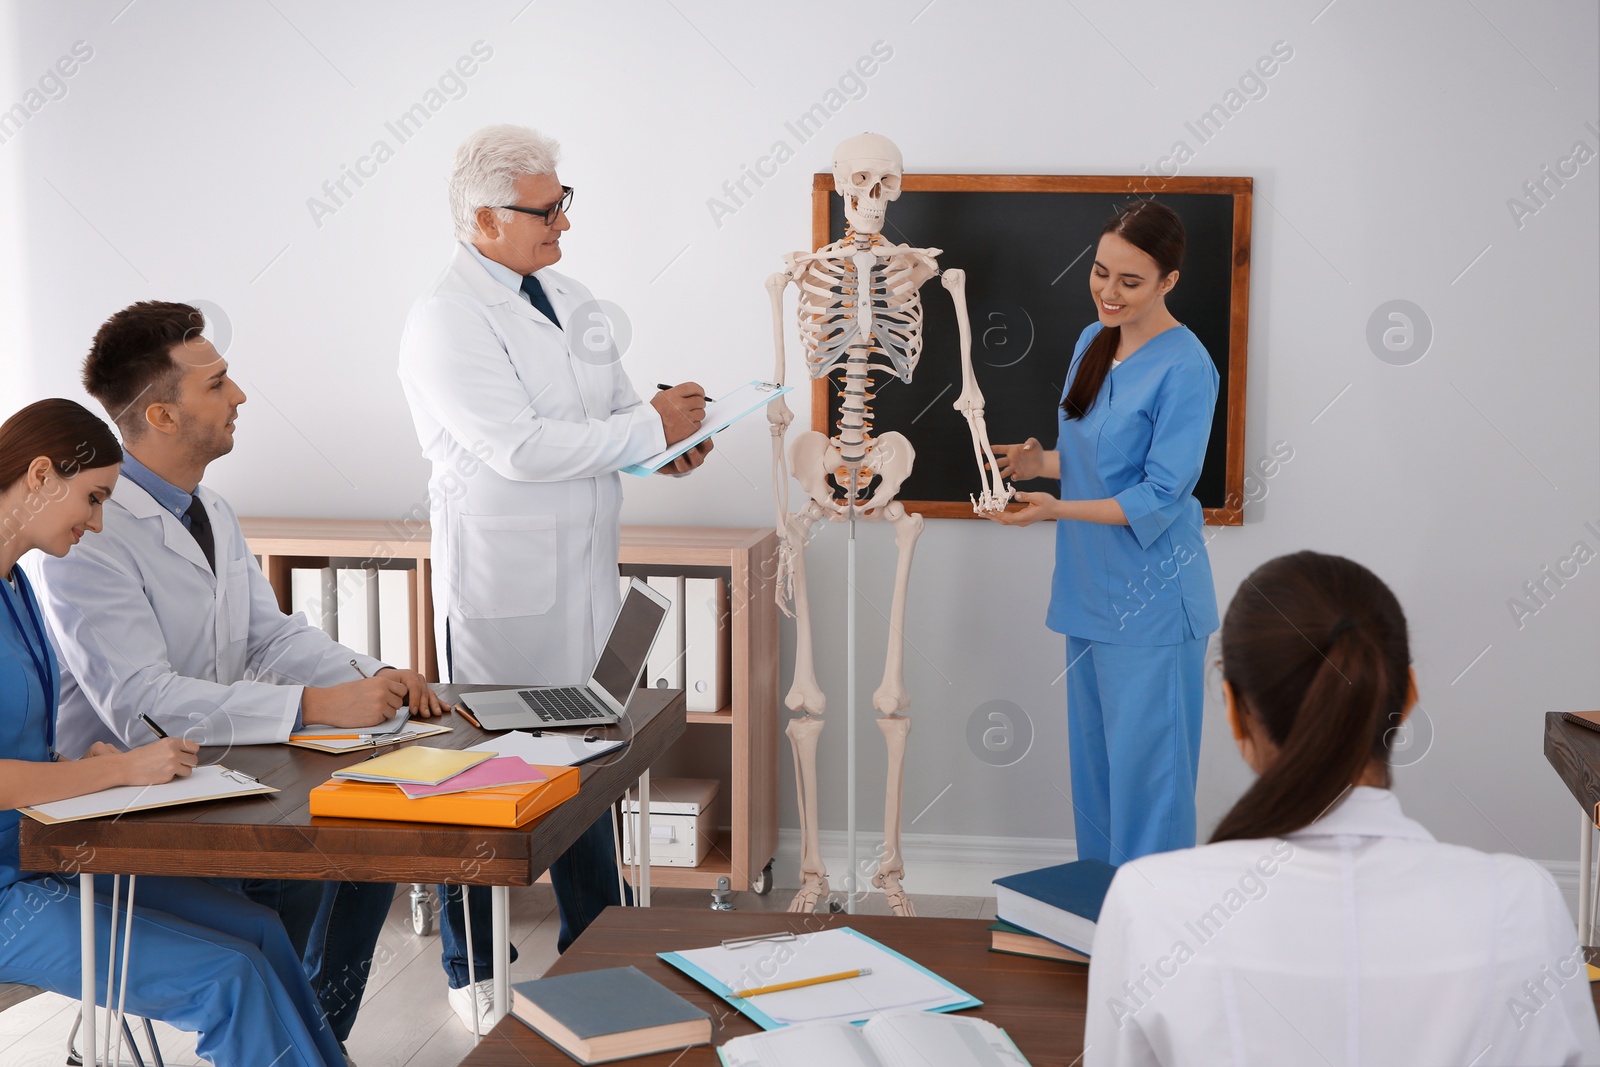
column 419, row 784
column 1051, row 913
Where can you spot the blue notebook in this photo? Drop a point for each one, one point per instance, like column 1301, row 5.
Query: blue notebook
column 1061, row 903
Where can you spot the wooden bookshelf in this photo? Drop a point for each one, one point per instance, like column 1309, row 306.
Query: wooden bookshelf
column 747, row 728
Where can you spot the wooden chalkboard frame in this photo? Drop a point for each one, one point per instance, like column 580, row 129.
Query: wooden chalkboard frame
column 1240, row 189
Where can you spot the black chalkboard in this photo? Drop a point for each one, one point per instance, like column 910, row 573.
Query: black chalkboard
column 1026, row 245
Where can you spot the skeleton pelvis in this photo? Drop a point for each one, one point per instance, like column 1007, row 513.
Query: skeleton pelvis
column 820, row 468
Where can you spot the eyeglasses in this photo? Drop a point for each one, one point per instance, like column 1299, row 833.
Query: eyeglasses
column 547, row 214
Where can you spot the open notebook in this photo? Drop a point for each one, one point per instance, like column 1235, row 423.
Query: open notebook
column 206, row 783
column 899, row 1039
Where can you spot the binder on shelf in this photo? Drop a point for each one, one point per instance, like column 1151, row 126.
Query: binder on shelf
column 707, row 633
column 502, row 806
column 664, row 669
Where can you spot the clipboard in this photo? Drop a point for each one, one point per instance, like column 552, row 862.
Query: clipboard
column 720, row 414
column 410, row 732
column 897, row 983
column 215, row 782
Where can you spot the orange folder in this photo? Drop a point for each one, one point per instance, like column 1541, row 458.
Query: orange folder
column 505, row 805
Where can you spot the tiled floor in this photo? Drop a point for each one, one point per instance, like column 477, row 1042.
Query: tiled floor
column 405, row 1021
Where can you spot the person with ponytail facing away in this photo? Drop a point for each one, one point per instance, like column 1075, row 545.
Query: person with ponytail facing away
column 1321, row 925
column 1132, row 589
column 202, row 959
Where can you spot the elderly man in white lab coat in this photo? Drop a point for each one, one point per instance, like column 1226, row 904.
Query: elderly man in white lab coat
column 521, row 404
column 167, row 615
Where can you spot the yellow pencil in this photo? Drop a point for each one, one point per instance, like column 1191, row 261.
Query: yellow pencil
column 799, row 983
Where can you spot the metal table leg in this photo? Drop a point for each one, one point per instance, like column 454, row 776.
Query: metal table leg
column 1585, row 880
column 86, row 934
column 500, row 910
column 641, row 839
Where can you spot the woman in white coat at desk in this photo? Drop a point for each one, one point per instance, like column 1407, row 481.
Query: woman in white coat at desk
column 203, row 959
column 1321, row 925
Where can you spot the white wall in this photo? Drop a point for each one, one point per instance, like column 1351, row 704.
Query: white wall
column 180, row 160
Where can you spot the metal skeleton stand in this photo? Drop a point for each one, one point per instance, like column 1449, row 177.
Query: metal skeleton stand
column 850, row 715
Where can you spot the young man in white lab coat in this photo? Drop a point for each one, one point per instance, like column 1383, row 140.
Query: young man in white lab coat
column 167, row 614
column 521, row 403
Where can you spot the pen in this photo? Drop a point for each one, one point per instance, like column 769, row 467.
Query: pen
column 799, row 983
column 359, row 671
column 148, row 721
column 664, row 386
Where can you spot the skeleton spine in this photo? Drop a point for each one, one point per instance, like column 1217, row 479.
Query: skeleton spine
column 855, row 420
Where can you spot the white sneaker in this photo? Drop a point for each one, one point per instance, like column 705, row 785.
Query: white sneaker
column 461, row 1000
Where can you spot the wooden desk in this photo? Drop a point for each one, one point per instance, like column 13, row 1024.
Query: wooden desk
column 275, row 836
column 1040, row 1003
column 1574, row 752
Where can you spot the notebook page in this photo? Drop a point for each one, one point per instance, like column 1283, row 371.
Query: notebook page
column 917, row 1039
column 831, row 1044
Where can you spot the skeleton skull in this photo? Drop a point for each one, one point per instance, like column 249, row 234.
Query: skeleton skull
column 866, row 173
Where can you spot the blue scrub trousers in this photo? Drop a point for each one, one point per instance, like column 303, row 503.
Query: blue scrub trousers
column 334, row 928
column 1133, row 724
column 204, row 960
column 585, row 881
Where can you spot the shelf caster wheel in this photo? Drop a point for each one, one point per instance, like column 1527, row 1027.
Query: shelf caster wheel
column 761, row 884
column 421, row 911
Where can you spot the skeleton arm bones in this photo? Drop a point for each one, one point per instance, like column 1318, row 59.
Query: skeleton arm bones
column 970, row 403
column 778, row 419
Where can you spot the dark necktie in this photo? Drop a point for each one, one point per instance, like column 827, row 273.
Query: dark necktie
column 200, row 527
column 536, row 297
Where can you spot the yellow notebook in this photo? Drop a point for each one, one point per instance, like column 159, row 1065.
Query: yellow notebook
column 417, row 764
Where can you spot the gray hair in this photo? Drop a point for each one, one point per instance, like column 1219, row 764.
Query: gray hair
column 486, row 170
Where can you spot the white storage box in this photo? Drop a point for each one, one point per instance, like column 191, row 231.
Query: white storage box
column 681, row 830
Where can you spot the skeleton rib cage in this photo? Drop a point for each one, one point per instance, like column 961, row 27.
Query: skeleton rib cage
column 830, row 328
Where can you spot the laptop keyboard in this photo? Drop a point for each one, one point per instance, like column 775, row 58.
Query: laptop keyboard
column 559, row 705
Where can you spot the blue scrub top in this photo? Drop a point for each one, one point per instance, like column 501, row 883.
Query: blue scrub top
column 27, row 711
column 1142, row 443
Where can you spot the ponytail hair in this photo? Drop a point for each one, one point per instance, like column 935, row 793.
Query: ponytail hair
column 1316, row 651
column 64, row 432
column 1156, row 230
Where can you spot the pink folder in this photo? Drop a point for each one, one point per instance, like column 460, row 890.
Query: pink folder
column 502, row 770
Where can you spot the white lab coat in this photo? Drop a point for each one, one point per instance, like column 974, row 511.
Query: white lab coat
column 1357, row 940
column 526, row 441
column 141, row 625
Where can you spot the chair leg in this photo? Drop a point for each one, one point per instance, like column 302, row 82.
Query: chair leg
column 75, row 1059
column 133, row 1047
column 155, row 1049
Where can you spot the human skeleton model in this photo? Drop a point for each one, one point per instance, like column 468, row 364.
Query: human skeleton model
column 860, row 313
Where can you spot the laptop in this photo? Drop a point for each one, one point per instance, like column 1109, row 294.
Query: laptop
column 604, row 698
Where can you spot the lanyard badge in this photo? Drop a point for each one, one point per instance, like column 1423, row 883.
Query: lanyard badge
column 41, row 666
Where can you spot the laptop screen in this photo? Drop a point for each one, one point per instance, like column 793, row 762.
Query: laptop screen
column 628, row 646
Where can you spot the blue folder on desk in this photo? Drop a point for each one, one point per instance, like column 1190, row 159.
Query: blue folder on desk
column 896, row 983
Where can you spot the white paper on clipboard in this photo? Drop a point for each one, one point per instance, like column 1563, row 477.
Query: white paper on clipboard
column 549, row 749
column 720, row 414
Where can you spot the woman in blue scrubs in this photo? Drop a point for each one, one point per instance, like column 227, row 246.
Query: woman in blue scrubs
column 203, row 959
column 1132, row 590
